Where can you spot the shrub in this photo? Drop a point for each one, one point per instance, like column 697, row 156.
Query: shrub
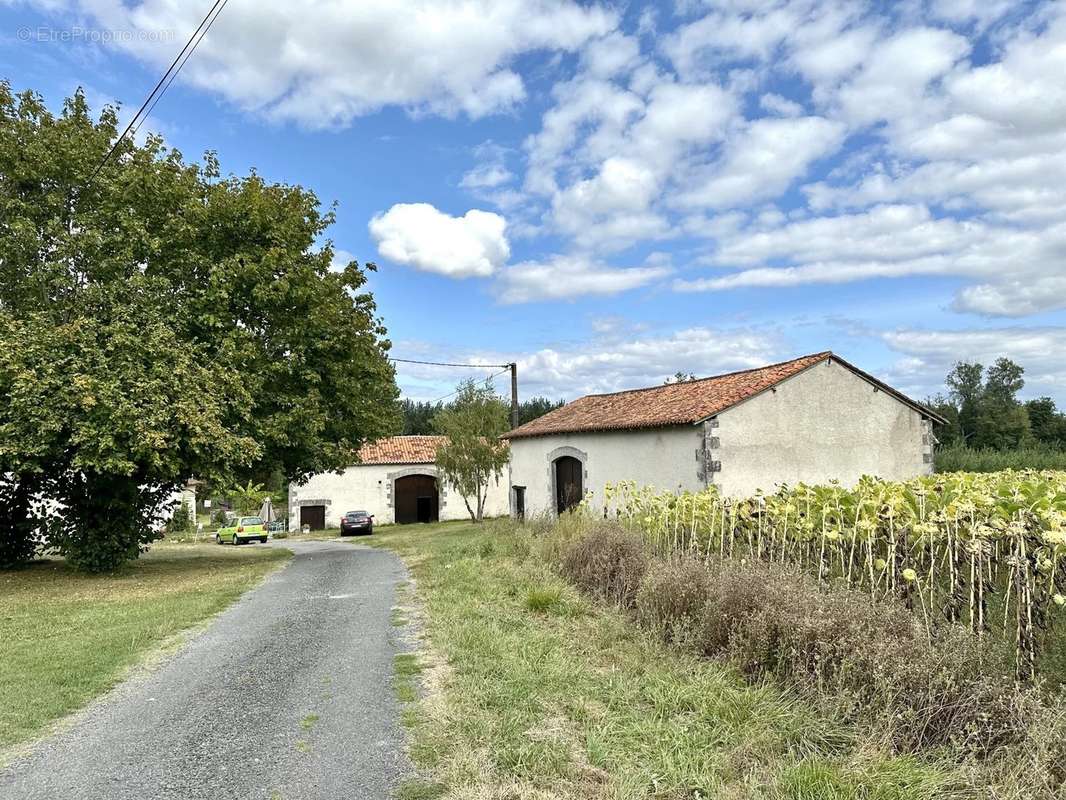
column 608, row 562
column 180, row 521
column 958, row 458
column 872, row 661
column 672, row 598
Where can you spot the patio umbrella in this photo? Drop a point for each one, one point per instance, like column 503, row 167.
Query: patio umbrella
column 266, row 513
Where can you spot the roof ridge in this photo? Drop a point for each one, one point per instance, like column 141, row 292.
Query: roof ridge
column 821, row 355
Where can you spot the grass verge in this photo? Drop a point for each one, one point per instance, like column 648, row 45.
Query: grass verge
column 530, row 690
column 68, row 637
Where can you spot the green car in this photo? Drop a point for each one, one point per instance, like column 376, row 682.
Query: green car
column 242, row 529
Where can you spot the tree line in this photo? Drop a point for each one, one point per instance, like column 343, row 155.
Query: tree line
column 161, row 321
column 984, row 412
column 420, row 418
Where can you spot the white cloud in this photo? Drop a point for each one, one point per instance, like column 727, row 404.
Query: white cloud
column 620, row 360
column 930, row 355
column 1022, row 269
column 567, row 277
column 419, row 235
column 782, row 106
column 895, row 77
column 486, row 176
column 762, row 161
column 323, row 64
column 341, row 259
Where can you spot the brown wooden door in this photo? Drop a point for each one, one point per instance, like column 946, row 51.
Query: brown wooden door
column 315, row 516
column 416, row 499
column 569, row 490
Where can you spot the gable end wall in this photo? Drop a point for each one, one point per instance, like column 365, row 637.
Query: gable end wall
column 824, row 423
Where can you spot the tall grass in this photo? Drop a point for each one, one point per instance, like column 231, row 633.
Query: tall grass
column 958, row 458
column 854, row 658
column 987, row 551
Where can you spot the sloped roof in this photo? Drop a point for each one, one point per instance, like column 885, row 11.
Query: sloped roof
column 401, row 450
column 682, row 403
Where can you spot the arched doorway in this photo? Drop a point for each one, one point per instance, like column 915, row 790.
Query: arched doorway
column 569, row 488
column 416, row 499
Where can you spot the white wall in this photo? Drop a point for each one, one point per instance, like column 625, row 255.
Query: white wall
column 824, row 423
column 366, row 487
column 663, row 457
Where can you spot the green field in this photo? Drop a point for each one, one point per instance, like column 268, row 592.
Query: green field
column 530, row 690
column 67, row 637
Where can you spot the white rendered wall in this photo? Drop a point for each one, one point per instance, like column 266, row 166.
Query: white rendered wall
column 367, row 487
column 663, row 457
column 826, row 423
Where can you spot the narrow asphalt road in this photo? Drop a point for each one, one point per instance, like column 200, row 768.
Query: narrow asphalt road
column 286, row 696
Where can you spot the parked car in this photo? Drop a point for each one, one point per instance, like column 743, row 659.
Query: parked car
column 240, row 530
column 355, row 522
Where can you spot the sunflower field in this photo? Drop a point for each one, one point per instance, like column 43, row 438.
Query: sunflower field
column 987, row 551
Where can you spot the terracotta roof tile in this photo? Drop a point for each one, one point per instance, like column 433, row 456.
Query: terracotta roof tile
column 401, row 450
column 675, row 403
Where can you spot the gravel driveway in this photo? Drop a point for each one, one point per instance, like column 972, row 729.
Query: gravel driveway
column 287, row 695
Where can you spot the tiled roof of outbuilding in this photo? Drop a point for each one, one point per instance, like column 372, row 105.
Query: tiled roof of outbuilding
column 683, row 403
column 401, row 450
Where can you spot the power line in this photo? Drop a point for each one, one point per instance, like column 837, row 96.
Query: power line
column 490, row 378
column 446, row 364
column 164, row 82
column 184, row 61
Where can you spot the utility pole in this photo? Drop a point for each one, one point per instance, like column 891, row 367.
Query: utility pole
column 514, row 394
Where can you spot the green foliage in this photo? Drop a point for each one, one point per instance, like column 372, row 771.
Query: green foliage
column 536, row 407
column 248, row 499
column 21, row 527
column 983, row 410
column 473, row 454
column 958, row 458
column 418, row 416
column 542, row 599
column 165, row 322
column 181, row 520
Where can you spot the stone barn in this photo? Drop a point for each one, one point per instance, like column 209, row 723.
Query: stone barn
column 396, row 481
column 812, row 419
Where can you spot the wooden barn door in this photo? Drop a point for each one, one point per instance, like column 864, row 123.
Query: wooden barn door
column 314, row 516
column 416, row 499
column 569, row 490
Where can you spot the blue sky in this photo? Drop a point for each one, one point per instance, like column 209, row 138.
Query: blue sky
column 611, row 193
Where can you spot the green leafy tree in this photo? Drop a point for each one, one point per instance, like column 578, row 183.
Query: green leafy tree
column 1047, row 423
column 680, row 377
column 248, row 499
column 245, row 335
column 473, row 455
column 418, row 416
column 534, row 407
column 965, row 385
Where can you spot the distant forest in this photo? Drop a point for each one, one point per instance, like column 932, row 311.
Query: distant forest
column 989, row 428
column 984, row 412
column 418, row 416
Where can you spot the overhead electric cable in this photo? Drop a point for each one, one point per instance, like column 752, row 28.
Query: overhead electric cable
column 492, row 377
column 164, row 82
column 446, row 364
